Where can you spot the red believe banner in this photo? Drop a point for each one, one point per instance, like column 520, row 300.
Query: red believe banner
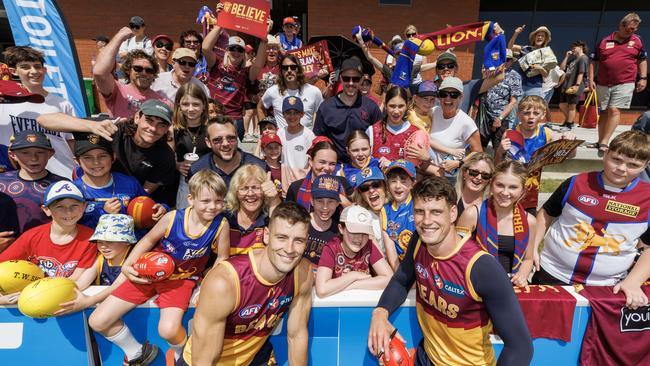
column 246, row 16
column 313, row 58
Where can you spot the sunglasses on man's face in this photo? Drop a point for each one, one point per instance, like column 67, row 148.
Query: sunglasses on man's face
column 133, row 26
column 186, row 63
column 476, row 173
column 161, row 44
column 445, row 66
column 366, row 187
column 237, row 49
column 289, row 67
column 409, row 35
column 451, row 94
column 148, row 70
column 354, row 79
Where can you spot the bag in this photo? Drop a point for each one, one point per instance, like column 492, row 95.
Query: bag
column 484, row 123
column 589, row 113
column 542, row 56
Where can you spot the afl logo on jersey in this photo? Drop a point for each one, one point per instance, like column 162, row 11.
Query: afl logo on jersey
column 250, row 311
column 422, row 272
column 588, row 200
column 384, row 150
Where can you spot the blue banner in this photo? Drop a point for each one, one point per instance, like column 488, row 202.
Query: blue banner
column 39, row 24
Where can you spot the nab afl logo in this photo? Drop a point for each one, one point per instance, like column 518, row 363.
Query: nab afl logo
column 588, row 200
column 422, row 272
column 438, row 281
column 250, row 311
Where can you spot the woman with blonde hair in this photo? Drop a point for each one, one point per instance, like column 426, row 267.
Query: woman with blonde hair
column 475, row 175
column 189, row 123
column 251, row 198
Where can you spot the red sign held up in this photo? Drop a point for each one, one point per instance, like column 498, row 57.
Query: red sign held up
column 246, row 16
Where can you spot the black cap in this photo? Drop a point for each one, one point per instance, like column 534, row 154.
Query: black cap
column 352, row 63
column 29, row 138
column 268, row 119
column 101, row 38
column 136, row 20
column 85, row 142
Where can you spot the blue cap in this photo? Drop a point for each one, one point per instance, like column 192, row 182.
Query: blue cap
column 60, row 190
column 292, row 102
column 427, row 88
column 326, row 186
column 29, row 138
column 368, row 174
column 405, row 165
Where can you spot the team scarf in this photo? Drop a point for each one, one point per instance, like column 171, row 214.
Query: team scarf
column 448, row 38
column 303, row 197
column 487, row 231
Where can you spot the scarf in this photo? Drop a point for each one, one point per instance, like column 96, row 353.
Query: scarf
column 303, row 198
column 487, row 231
column 445, row 39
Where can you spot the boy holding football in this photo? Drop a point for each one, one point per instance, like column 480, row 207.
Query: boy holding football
column 188, row 236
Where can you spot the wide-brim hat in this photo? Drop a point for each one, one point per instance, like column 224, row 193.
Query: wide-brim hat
column 531, row 36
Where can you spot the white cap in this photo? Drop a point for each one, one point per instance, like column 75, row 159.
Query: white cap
column 236, row 41
column 451, row 82
column 272, row 41
column 60, row 190
column 357, row 220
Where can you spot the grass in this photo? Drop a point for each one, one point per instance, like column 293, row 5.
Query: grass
column 549, row 185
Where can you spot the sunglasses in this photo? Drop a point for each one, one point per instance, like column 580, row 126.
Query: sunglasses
column 238, row 49
column 354, row 79
column 229, row 139
column 446, row 66
column 366, row 187
column 191, row 41
column 186, row 63
column 289, row 67
column 409, row 35
column 476, row 173
column 451, row 94
column 133, row 26
column 161, row 44
column 148, row 70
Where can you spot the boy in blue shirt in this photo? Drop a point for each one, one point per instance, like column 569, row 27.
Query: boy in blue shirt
column 399, row 223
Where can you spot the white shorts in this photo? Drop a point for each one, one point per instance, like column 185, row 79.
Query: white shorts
column 617, row 96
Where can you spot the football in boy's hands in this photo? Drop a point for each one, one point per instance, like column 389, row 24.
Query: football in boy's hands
column 42, row 298
column 142, row 210
column 399, row 354
column 15, row 275
column 154, row 266
column 418, row 139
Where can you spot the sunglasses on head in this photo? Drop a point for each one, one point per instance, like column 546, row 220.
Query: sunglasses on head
column 238, row 49
column 476, row 173
column 148, row 70
column 289, row 67
column 450, row 94
column 161, row 44
column 354, row 79
column 186, row 63
column 133, row 26
column 191, row 41
column 366, row 187
column 409, row 35
column 446, row 66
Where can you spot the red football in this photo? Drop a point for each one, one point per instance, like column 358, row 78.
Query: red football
column 399, row 354
column 141, row 209
column 418, row 138
column 155, row 266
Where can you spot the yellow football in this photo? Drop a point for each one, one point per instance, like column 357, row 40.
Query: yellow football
column 16, row 274
column 426, row 47
column 41, row 299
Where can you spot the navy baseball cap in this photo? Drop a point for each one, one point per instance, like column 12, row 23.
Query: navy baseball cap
column 29, row 138
column 292, row 103
column 84, row 142
column 326, row 186
column 368, row 174
column 405, row 165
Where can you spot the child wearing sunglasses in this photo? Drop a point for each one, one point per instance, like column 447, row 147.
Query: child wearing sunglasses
column 350, row 260
column 500, row 224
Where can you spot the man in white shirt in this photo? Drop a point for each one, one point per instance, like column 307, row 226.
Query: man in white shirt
column 139, row 41
column 29, row 65
column 291, row 83
column 167, row 83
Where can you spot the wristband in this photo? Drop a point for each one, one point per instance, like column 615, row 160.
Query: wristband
column 643, row 78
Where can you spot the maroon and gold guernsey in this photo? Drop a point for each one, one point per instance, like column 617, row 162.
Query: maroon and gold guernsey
column 453, row 318
column 259, row 307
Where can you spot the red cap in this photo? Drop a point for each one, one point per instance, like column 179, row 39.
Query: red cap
column 317, row 140
column 269, row 138
column 12, row 92
column 288, row 20
column 162, row 36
